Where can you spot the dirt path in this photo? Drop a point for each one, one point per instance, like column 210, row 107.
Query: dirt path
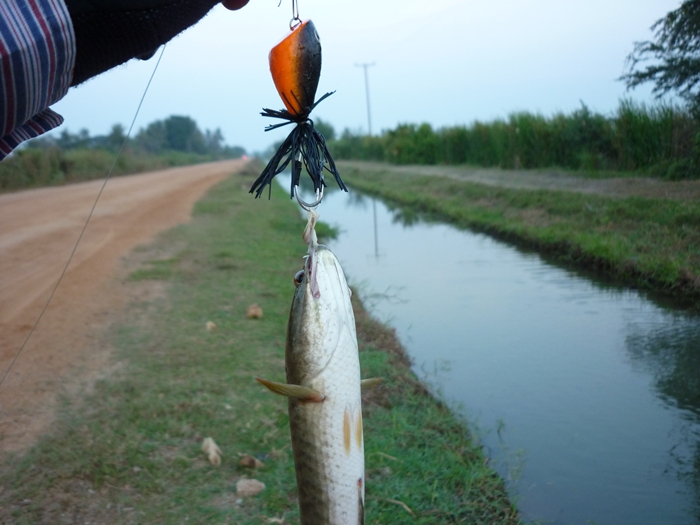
column 548, row 180
column 38, row 229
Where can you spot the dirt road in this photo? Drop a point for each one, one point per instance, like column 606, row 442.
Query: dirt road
column 38, row 230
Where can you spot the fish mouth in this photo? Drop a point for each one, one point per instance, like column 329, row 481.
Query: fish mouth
column 324, row 275
column 322, row 314
column 311, row 273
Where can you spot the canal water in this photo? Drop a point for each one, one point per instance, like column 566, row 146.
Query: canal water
column 585, row 396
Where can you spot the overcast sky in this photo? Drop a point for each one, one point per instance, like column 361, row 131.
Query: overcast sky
column 446, row 62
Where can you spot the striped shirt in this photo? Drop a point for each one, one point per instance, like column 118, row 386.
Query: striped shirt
column 37, row 55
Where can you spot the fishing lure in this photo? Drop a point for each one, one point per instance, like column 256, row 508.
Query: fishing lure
column 295, row 64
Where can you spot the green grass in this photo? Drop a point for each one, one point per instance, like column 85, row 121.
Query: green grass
column 161, row 269
column 651, row 243
column 129, row 451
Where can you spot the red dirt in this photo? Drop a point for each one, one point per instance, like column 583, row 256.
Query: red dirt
column 38, row 229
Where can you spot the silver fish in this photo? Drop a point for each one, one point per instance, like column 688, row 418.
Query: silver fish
column 324, row 391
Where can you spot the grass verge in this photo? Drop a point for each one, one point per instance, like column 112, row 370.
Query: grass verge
column 646, row 242
column 130, row 451
column 38, row 167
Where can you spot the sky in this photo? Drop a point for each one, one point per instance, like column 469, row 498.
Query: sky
column 445, row 62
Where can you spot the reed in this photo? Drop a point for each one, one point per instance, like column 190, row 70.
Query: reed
column 662, row 140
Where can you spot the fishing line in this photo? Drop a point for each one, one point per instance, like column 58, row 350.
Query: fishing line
column 87, row 221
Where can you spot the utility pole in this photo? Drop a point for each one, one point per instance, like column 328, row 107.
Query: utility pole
column 369, row 116
column 364, row 66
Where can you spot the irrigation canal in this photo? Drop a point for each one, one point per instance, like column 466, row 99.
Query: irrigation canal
column 586, row 396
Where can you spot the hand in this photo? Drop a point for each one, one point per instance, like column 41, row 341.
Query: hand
column 234, row 5
column 110, row 32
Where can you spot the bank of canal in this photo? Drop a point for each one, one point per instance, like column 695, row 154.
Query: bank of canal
column 587, row 396
column 650, row 241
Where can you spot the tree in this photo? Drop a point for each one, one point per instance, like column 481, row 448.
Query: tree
column 325, row 129
column 213, row 141
column 69, row 141
column 672, row 60
column 152, row 139
column 182, row 134
column 176, row 133
column 116, row 137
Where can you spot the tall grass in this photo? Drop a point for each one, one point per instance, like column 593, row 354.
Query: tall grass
column 34, row 167
column 661, row 140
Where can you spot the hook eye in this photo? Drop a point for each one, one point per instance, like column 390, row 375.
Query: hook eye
column 308, row 206
column 296, row 21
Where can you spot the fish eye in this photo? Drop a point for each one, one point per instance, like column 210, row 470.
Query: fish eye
column 298, row 277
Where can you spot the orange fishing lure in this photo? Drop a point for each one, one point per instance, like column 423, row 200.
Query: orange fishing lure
column 295, row 64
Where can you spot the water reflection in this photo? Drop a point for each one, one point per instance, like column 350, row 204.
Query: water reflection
column 670, row 351
column 587, row 394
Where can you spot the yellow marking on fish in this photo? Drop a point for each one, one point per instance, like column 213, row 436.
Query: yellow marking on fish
column 358, row 429
column 346, row 431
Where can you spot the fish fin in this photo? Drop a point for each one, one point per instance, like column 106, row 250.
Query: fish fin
column 370, row 382
column 296, row 391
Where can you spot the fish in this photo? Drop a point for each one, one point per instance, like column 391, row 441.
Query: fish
column 324, row 391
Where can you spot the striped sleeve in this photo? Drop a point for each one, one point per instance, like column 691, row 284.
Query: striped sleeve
column 37, row 55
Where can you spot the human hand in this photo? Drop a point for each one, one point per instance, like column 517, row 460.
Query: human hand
column 234, row 5
column 111, row 32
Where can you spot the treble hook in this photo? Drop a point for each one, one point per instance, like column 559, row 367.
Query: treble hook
column 306, row 205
